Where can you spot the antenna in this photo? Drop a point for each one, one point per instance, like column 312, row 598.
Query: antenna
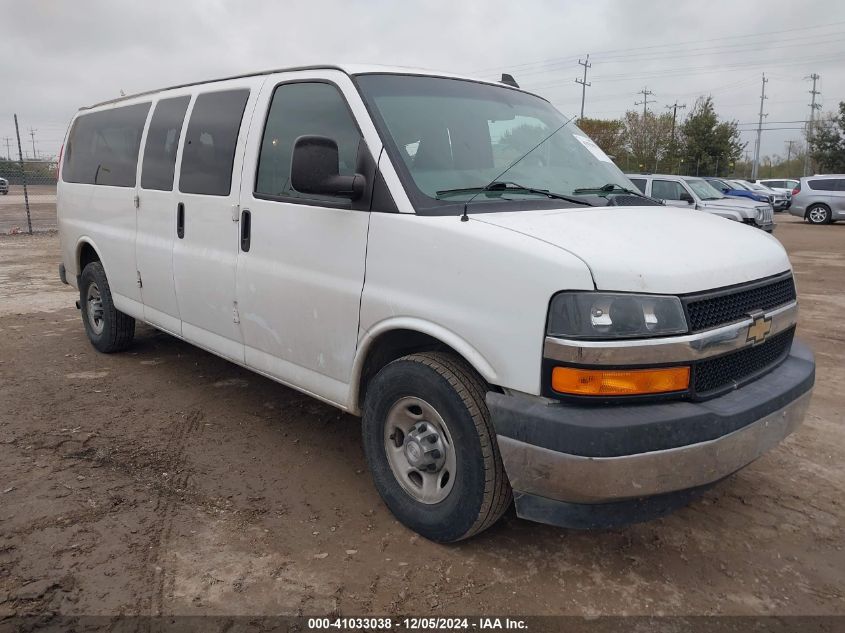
column 508, row 80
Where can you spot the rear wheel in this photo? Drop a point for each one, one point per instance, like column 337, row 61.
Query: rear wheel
column 431, row 448
column 818, row 214
column 108, row 329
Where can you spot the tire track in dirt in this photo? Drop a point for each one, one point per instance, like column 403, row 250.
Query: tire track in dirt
column 175, row 445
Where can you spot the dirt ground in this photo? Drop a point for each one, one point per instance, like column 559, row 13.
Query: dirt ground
column 165, row 480
column 42, row 209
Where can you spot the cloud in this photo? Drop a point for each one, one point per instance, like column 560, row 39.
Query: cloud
column 61, row 55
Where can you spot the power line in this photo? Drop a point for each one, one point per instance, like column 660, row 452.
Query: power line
column 586, row 64
column 682, row 45
column 709, row 69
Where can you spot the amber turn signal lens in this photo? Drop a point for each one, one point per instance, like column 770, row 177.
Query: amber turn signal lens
column 619, row 382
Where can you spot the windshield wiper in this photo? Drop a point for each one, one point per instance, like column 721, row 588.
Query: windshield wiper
column 505, row 186
column 608, row 188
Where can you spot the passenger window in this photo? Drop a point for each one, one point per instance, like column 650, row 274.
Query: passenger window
column 209, row 152
column 162, row 141
column 666, row 190
column 823, row 185
column 639, row 183
column 298, row 109
column 102, row 148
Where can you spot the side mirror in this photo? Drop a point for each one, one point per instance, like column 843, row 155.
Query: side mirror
column 315, row 169
column 686, row 198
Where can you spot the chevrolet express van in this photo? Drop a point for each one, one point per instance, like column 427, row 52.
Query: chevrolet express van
column 455, row 262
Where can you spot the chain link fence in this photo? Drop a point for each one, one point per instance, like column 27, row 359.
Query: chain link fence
column 27, row 196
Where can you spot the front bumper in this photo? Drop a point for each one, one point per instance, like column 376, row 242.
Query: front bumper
column 563, row 459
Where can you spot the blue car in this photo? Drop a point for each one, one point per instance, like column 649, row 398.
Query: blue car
column 736, row 190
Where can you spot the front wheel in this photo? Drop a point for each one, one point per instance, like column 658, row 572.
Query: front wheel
column 108, row 329
column 431, row 448
column 818, row 214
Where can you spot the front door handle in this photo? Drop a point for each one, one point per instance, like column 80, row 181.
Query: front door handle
column 246, row 230
column 180, row 220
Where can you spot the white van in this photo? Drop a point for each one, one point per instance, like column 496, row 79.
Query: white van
column 456, row 263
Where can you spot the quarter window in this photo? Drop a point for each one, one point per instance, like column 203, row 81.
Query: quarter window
column 824, row 185
column 209, row 152
column 102, row 148
column 162, row 142
column 298, row 109
column 639, row 183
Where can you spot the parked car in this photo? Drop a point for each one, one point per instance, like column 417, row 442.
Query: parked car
column 358, row 233
column 785, row 185
column 686, row 191
column 778, row 200
column 735, row 189
column 4, row 186
column 819, row 199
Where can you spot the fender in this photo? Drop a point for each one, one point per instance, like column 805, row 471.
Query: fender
column 81, row 242
column 442, row 334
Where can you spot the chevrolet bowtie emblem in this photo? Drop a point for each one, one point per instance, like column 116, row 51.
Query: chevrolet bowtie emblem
column 759, row 329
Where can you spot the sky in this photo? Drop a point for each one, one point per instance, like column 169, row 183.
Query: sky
column 57, row 56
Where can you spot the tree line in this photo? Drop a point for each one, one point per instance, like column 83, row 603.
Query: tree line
column 704, row 144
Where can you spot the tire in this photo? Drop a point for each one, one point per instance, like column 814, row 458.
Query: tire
column 108, row 329
column 476, row 492
column 819, row 214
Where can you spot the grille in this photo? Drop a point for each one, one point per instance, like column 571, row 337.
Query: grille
column 766, row 215
column 736, row 305
column 626, row 200
column 711, row 375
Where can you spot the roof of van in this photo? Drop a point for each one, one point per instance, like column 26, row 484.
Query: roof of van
column 349, row 69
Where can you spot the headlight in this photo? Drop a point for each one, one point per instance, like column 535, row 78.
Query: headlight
column 605, row 315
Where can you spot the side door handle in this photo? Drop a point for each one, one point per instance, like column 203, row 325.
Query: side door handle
column 180, row 220
column 246, row 230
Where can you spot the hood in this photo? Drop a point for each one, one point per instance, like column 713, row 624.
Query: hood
column 732, row 203
column 653, row 249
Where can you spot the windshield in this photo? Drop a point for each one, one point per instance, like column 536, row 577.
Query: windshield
column 738, row 186
column 452, row 138
column 704, row 189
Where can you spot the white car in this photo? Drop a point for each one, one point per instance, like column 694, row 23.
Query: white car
column 688, row 192
column 4, row 186
column 451, row 260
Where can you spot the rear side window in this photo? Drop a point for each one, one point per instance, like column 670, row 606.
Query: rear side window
column 102, row 147
column 162, row 141
column 666, row 190
column 209, row 152
column 828, row 184
column 299, row 109
column 639, row 183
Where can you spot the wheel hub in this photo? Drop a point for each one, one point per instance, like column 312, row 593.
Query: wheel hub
column 419, row 450
column 424, row 448
column 95, row 309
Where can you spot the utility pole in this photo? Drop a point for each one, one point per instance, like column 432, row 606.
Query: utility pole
column 789, row 145
column 8, row 147
column 813, row 107
column 675, row 107
column 756, row 165
column 32, row 134
column 646, row 93
column 23, row 176
column 586, row 64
